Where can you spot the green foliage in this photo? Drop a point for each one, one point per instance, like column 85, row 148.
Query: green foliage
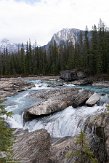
column 6, row 140
column 83, row 153
column 90, row 53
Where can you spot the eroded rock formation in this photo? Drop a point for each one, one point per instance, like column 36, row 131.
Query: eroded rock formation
column 32, row 147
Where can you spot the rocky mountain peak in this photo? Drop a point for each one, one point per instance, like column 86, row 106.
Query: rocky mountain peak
column 66, row 34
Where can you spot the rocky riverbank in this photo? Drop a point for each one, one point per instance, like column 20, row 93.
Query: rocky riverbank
column 38, row 146
column 10, row 86
column 81, row 78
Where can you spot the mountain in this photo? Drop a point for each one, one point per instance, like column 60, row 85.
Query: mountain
column 66, row 35
column 6, row 44
column 61, row 37
column 11, row 47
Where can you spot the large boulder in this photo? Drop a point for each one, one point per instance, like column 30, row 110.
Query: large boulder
column 81, row 98
column 72, row 75
column 48, row 107
column 61, row 148
column 93, row 99
column 59, row 101
column 32, row 147
column 67, row 150
column 68, row 75
column 81, row 75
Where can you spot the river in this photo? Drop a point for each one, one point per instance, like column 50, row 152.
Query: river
column 68, row 122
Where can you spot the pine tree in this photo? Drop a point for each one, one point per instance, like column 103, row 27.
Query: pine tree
column 93, row 51
column 100, row 53
column 22, row 60
column 86, row 50
column 83, row 154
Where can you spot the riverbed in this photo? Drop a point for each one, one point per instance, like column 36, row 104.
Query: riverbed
column 68, row 122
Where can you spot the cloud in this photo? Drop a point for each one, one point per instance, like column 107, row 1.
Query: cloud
column 40, row 19
column 28, row 1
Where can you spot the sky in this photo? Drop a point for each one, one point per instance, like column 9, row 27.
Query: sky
column 38, row 20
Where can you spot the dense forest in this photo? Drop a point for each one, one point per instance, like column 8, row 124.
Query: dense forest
column 90, row 54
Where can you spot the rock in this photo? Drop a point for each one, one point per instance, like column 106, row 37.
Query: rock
column 72, row 75
column 77, row 82
column 61, row 99
column 61, row 148
column 97, row 134
column 10, row 86
column 42, row 77
column 82, row 82
column 68, row 75
column 48, row 107
column 55, row 83
column 65, row 149
column 81, row 98
column 3, row 155
column 93, row 99
column 32, row 147
column 81, row 75
column 86, row 82
column 97, row 129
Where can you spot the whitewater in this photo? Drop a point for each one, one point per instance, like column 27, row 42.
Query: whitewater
column 68, row 122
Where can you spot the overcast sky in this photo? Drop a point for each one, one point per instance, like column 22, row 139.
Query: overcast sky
column 40, row 19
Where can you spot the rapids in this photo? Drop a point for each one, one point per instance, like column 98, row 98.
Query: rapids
column 68, row 122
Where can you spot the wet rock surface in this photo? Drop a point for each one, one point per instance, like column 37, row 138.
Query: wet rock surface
column 35, row 147
column 52, row 101
column 40, row 148
column 96, row 128
column 97, row 133
column 56, row 100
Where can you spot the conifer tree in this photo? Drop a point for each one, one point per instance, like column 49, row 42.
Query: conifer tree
column 86, row 49
column 83, row 154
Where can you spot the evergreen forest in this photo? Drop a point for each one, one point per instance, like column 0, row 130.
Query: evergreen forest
column 90, row 54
